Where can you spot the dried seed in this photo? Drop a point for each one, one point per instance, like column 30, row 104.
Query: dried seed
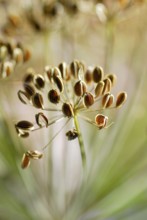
column 29, row 89
column 18, row 55
column 63, row 69
column 25, row 161
column 59, row 83
column 34, row 154
column 56, row 72
column 24, row 125
column 99, row 89
column 88, row 77
column 72, row 134
column 121, row 98
column 101, row 120
column 29, row 76
column 53, row 96
column 107, row 86
column 23, row 97
column 67, row 110
column 8, row 68
column 49, row 73
column 112, row 78
column 37, row 100
column 39, row 81
column 88, row 99
column 74, row 68
column 97, row 74
column 80, row 88
column 41, row 119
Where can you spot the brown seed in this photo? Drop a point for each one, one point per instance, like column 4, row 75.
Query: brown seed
column 99, row 88
column 49, row 73
column 121, row 98
column 25, row 161
column 29, row 76
column 39, row 81
column 34, row 154
column 74, row 68
column 23, row 97
column 88, row 99
column 56, row 72
column 80, row 88
column 67, row 110
column 59, row 83
column 97, row 74
column 24, row 125
column 107, row 86
column 37, row 100
column 112, row 78
column 88, row 77
column 29, row 89
column 41, row 119
column 72, row 134
column 101, row 120
column 53, row 96
column 63, row 69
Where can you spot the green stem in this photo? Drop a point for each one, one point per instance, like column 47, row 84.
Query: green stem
column 81, row 143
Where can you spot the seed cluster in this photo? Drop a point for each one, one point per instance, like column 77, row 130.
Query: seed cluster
column 71, row 90
column 11, row 54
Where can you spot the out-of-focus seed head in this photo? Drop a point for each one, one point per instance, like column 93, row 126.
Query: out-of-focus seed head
column 101, row 121
column 41, row 119
column 39, row 81
column 121, row 98
column 99, row 88
column 25, row 161
column 67, row 110
column 80, row 88
column 37, row 100
column 54, row 96
column 98, row 74
column 88, row 99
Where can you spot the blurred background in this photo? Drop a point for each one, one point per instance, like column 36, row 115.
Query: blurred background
column 111, row 34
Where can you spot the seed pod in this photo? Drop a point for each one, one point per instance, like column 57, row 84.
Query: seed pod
column 37, row 100
column 88, row 99
column 97, row 74
column 53, row 96
column 63, row 69
column 59, row 83
column 88, row 77
column 121, row 98
column 39, row 81
column 34, row 154
column 18, row 55
column 67, row 110
column 99, row 88
column 41, row 119
column 107, row 86
column 24, row 125
column 80, row 88
column 23, row 97
column 72, row 134
column 101, row 120
column 29, row 89
column 112, row 78
column 25, row 161
column 26, row 55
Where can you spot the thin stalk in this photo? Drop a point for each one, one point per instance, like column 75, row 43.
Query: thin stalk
column 81, row 143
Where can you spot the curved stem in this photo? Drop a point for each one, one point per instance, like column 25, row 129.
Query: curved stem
column 81, row 143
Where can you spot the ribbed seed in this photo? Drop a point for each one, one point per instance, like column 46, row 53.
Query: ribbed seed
column 24, row 125
column 97, row 74
column 99, row 89
column 88, row 77
column 34, row 154
column 121, row 98
column 101, row 120
column 59, row 83
column 54, row 96
column 25, row 161
column 41, row 119
column 37, row 100
column 88, row 99
column 80, row 88
column 67, row 110
column 112, row 78
column 39, row 81
column 29, row 89
column 23, row 97
column 107, row 86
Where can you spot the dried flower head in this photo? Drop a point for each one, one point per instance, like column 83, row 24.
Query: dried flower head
column 70, row 98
